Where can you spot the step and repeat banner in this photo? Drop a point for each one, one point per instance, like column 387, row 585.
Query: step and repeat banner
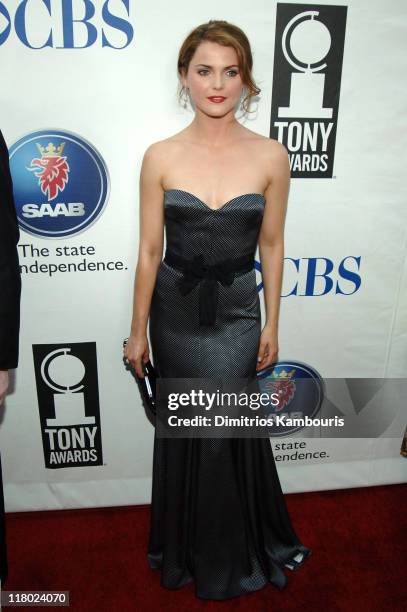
column 86, row 87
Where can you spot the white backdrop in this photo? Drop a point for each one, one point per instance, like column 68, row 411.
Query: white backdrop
column 122, row 100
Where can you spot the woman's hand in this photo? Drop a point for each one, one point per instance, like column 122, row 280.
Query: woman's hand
column 268, row 348
column 4, row 381
column 137, row 349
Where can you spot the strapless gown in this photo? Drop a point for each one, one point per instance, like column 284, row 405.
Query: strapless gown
column 218, row 514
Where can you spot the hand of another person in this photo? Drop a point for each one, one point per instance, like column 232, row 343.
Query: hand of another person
column 137, row 349
column 4, row 379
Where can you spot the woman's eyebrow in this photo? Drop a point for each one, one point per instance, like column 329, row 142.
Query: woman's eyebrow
column 207, row 66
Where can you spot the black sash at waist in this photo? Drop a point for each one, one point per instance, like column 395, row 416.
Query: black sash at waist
column 196, row 271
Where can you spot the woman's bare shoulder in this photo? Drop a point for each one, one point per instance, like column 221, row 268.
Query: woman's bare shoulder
column 158, row 156
column 166, row 146
column 269, row 153
column 265, row 144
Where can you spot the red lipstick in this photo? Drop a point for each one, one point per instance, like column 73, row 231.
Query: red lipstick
column 216, row 99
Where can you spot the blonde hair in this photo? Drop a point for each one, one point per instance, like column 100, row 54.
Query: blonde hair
column 228, row 35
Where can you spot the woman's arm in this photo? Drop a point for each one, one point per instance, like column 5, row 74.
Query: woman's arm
column 271, row 249
column 151, row 240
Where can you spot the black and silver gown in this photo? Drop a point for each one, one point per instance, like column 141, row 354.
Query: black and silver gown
column 218, row 515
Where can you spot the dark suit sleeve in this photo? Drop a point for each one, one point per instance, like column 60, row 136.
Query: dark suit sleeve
column 10, row 279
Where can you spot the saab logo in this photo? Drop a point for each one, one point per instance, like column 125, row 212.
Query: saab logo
column 68, row 401
column 51, row 170
column 300, row 389
column 308, row 56
column 68, row 24
column 60, row 183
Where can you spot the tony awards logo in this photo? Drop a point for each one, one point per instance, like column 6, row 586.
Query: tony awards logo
column 306, row 85
column 306, row 42
column 64, row 373
column 68, row 400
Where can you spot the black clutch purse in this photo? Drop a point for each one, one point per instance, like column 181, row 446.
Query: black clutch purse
column 146, row 385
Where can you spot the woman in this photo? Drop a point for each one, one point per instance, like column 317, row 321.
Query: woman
column 218, row 513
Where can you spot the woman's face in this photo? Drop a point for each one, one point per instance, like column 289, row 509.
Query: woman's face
column 213, row 72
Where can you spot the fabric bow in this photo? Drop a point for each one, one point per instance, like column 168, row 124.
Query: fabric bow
column 208, row 276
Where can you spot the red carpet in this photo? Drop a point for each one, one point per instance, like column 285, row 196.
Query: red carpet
column 359, row 560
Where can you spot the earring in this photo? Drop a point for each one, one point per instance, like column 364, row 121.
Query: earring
column 185, row 98
column 242, row 97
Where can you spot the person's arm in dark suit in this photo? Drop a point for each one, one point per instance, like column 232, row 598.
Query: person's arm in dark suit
column 10, row 280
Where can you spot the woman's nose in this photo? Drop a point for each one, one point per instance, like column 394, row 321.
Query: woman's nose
column 217, row 82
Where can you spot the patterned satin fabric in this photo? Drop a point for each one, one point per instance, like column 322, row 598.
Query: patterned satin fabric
column 218, row 514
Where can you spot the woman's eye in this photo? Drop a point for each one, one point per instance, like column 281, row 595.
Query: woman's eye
column 205, row 71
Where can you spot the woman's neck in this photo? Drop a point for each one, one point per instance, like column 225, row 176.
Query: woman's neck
column 213, row 131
